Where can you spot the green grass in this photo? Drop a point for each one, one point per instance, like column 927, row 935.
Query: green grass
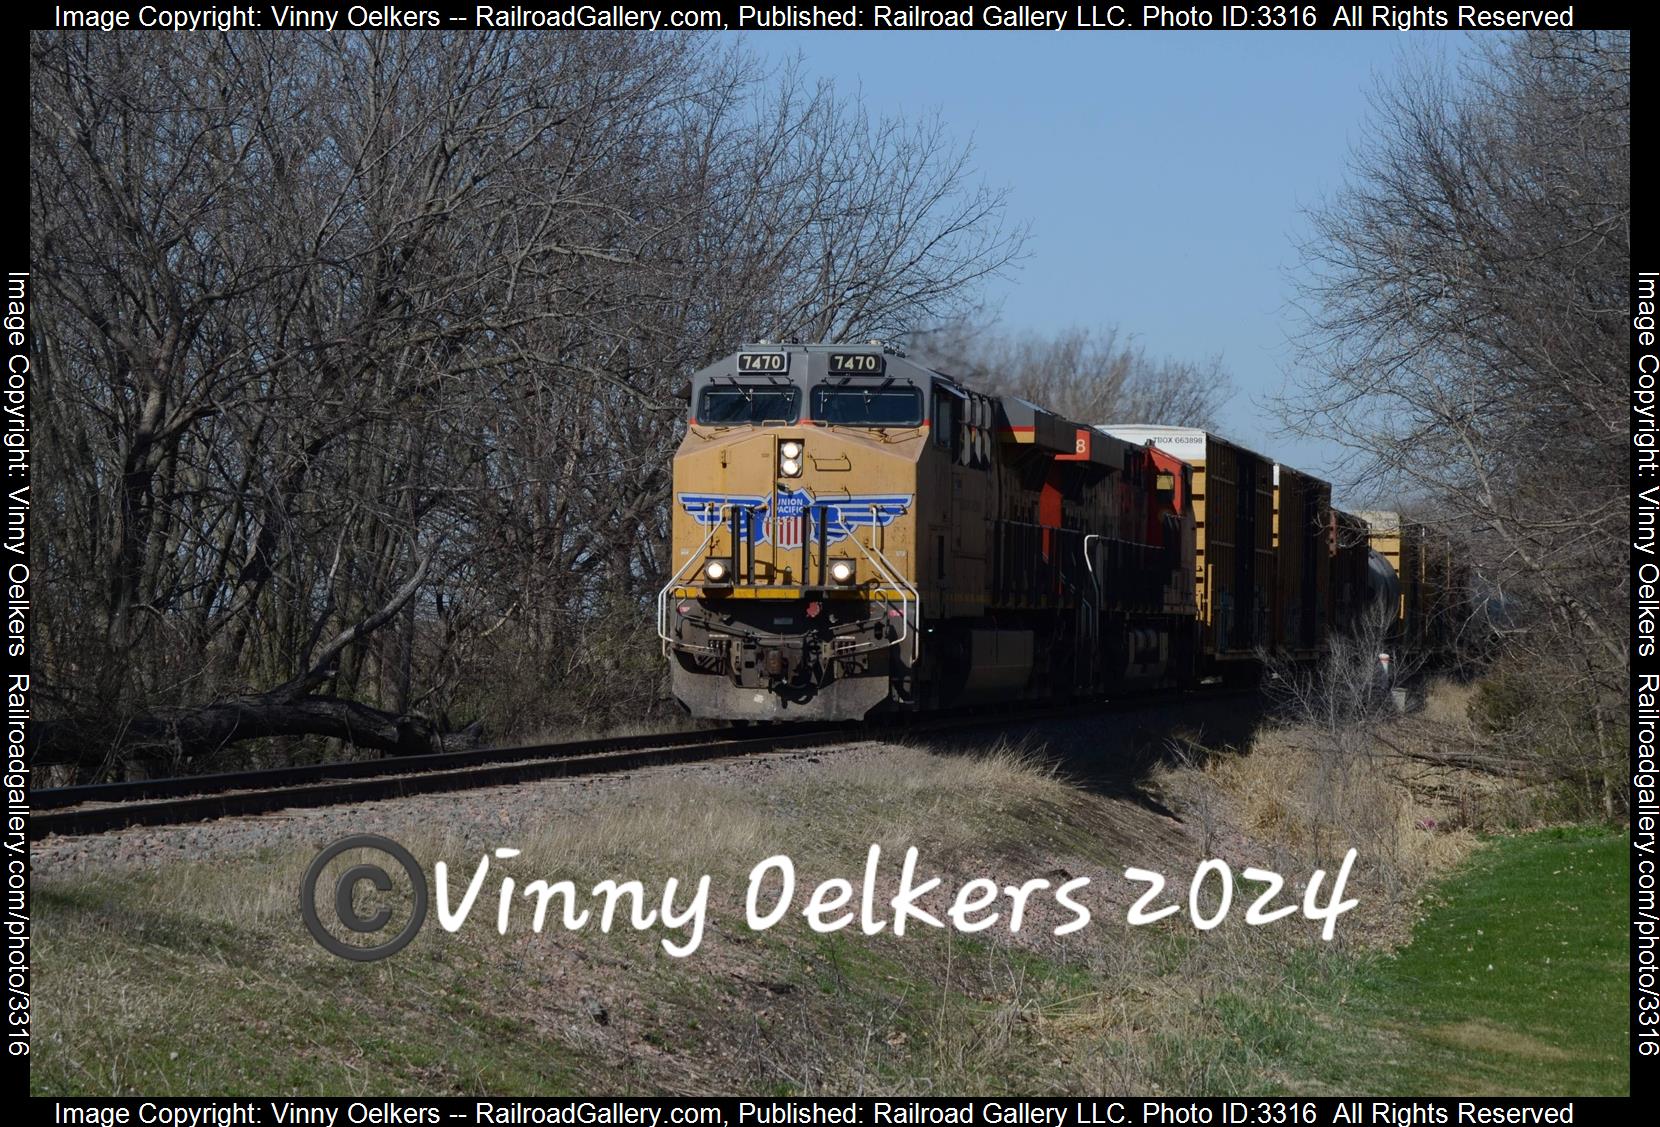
column 1515, row 983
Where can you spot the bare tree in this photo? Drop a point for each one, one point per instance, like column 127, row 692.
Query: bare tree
column 363, row 357
column 1352, row 687
column 1090, row 377
column 1466, row 339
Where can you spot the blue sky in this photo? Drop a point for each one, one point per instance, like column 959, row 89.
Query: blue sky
column 1164, row 174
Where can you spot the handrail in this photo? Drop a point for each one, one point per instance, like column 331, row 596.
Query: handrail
column 910, row 604
column 662, row 596
column 1089, row 564
column 890, row 575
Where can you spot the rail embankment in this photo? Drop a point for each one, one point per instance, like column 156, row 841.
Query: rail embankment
column 189, row 969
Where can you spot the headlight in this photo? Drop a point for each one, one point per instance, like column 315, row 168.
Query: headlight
column 842, row 571
column 790, row 450
column 716, row 571
column 789, row 467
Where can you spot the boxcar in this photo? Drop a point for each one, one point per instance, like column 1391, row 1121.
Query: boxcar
column 1302, row 585
column 1234, row 557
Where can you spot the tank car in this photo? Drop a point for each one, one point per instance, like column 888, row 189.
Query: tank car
column 1431, row 580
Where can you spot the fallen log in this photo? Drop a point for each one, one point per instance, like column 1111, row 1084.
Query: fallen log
column 195, row 733
column 96, row 744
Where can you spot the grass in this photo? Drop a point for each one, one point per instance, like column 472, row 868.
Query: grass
column 1515, row 983
column 200, row 979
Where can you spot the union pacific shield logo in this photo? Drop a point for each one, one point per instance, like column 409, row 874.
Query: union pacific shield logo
column 784, row 526
column 793, row 515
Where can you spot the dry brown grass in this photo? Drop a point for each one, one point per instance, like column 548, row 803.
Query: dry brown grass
column 1447, row 702
column 1295, row 793
column 1306, row 794
column 208, row 961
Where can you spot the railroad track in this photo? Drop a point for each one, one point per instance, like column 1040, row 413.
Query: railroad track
column 103, row 807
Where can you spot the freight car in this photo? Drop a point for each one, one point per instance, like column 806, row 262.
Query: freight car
column 1398, row 542
column 853, row 532
column 1348, row 544
column 1236, row 564
column 1446, row 582
column 1432, row 580
column 1303, row 562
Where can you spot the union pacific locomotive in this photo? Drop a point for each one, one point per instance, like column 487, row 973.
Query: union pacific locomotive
column 854, row 532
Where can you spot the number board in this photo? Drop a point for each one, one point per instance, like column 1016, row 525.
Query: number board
column 763, row 361
column 857, row 363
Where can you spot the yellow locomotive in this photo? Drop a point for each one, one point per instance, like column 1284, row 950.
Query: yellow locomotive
column 854, row 532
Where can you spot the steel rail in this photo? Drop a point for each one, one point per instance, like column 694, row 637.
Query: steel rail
column 200, row 807
column 175, row 787
column 101, row 808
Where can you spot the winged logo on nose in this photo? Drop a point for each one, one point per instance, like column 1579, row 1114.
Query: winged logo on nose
column 791, row 515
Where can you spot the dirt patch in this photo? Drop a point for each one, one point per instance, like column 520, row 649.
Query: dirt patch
column 1485, row 1037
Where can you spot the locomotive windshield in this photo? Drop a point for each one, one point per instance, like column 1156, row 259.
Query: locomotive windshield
column 867, row 406
column 735, row 405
